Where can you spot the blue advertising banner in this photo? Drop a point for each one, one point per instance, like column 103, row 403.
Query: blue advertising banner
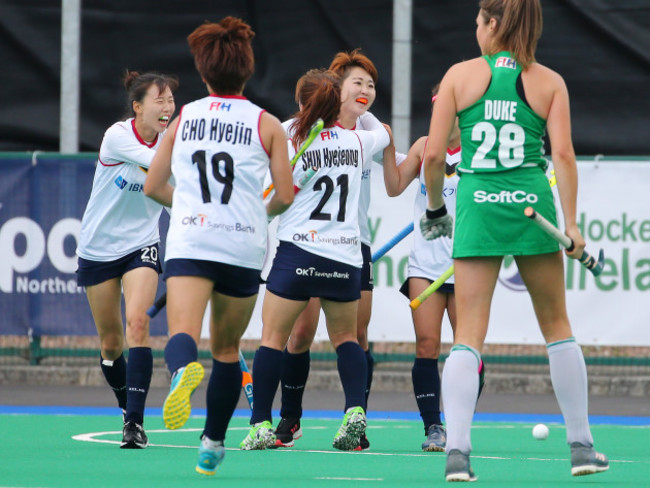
column 42, row 199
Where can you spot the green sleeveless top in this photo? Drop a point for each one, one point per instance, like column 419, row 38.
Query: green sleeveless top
column 500, row 132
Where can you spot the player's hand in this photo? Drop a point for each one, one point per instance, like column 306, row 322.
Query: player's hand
column 578, row 242
column 436, row 223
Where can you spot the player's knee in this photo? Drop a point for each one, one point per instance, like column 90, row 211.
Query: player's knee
column 224, row 344
column 111, row 349
column 427, row 347
column 362, row 337
column 339, row 338
column 137, row 328
column 300, row 339
column 225, row 353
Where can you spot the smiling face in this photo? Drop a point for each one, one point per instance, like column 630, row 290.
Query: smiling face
column 357, row 93
column 154, row 112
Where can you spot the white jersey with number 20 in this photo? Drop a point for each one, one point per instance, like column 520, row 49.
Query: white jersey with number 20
column 119, row 219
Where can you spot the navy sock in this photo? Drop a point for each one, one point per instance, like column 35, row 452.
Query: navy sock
column 115, row 374
column 224, row 388
column 353, row 370
column 295, row 371
column 370, row 361
column 426, row 386
column 266, row 377
column 138, row 378
column 180, row 351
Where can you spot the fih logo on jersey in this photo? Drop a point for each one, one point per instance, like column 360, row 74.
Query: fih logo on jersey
column 509, row 275
column 121, row 182
column 220, row 106
column 506, row 62
column 328, row 135
column 309, row 236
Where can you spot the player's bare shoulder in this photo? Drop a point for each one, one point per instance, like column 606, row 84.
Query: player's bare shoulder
column 464, row 69
column 270, row 125
column 545, row 75
column 419, row 145
column 468, row 80
column 270, row 122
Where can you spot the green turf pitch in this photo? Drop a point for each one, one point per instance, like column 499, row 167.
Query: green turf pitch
column 61, row 451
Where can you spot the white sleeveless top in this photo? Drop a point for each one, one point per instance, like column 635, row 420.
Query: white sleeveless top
column 219, row 164
column 429, row 259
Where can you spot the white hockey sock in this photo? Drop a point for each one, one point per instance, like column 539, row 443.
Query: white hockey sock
column 459, row 393
column 569, row 378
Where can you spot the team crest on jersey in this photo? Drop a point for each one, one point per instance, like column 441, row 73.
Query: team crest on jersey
column 506, row 62
column 121, row 182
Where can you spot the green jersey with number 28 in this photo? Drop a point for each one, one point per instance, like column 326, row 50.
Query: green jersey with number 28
column 500, row 132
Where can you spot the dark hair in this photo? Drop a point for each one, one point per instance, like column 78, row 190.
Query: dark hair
column 435, row 89
column 137, row 84
column 519, row 26
column 344, row 61
column 223, row 54
column 319, row 93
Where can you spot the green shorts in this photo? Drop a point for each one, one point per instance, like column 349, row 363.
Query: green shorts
column 490, row 218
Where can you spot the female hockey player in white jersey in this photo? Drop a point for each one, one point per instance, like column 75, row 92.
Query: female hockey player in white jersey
column 118, row 245
column 319, row 255
column 359, row 78
column 220, row 150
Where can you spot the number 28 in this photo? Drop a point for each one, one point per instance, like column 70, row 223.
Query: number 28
column 510, row 145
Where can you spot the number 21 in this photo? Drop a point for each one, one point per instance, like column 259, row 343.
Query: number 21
column 326, row 183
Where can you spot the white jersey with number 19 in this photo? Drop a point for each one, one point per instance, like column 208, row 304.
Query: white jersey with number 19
column 219, row 164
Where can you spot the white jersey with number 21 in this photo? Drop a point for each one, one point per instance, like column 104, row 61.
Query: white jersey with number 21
column 324, row 217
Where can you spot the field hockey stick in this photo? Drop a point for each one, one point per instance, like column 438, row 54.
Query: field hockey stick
column 304, row 179
column 246, row 380
column 393, row 242
column 588, row 261
column 429, row 290
column 314, row 130
column 157, row 306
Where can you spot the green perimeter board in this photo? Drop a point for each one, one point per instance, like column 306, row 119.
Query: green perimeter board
column 39, row 451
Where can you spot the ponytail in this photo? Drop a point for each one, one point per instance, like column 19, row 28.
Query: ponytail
column 519, row 26
column 318, row 92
